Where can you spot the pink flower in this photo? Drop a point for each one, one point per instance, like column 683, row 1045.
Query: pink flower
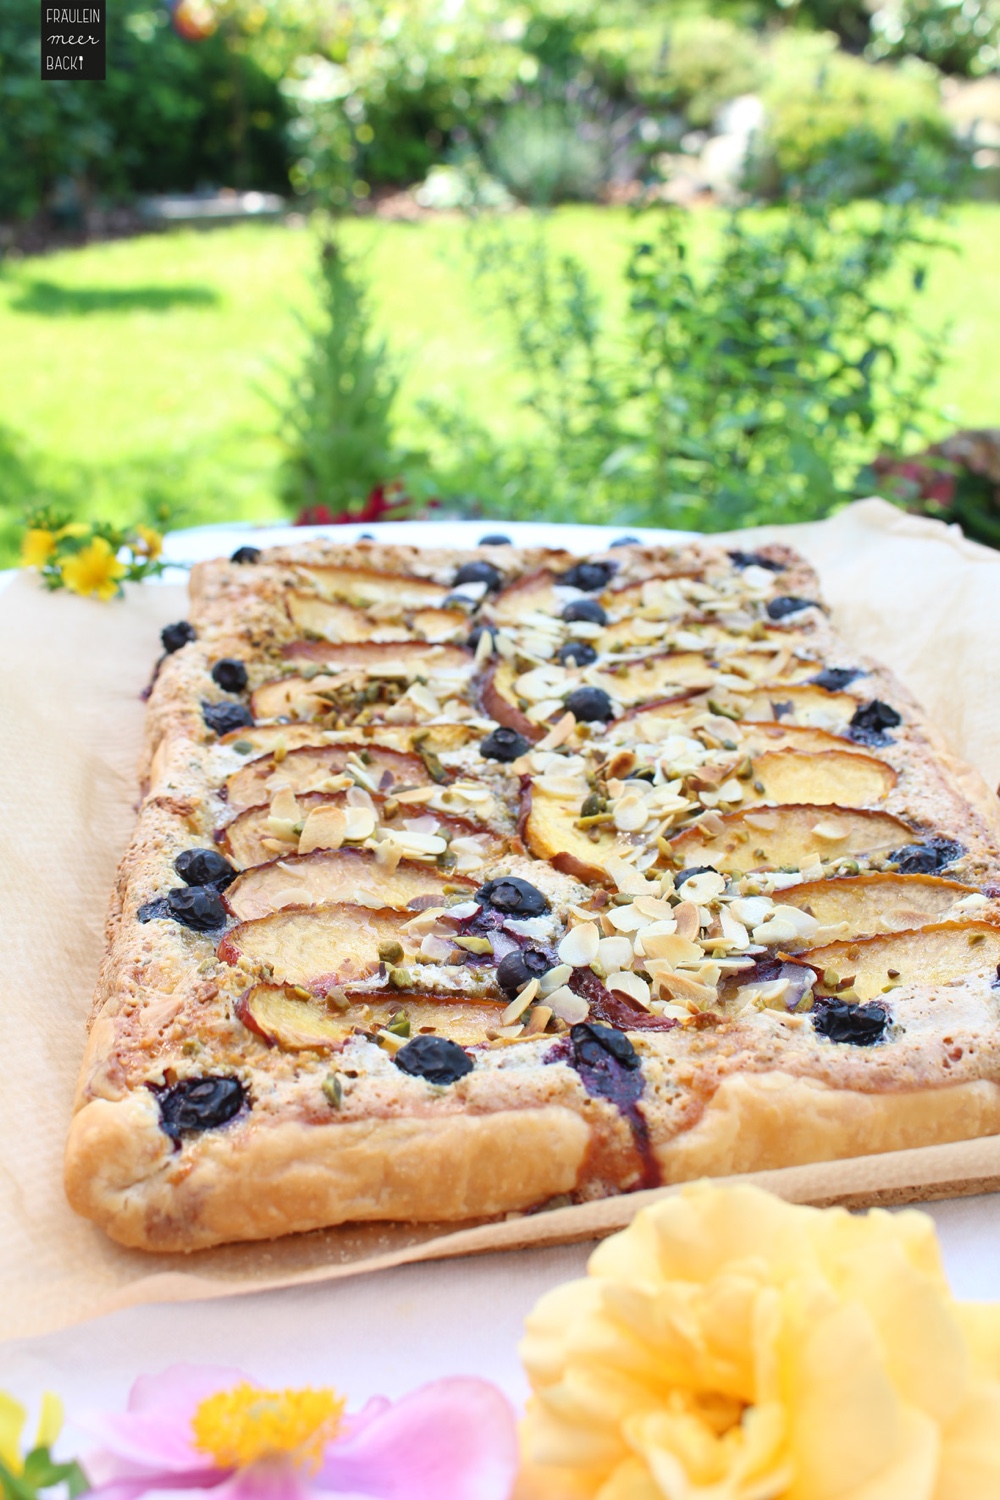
column 214, row 1431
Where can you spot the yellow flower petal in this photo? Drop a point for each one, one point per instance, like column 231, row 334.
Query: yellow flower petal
column 12, row 1419
column 94, row 570
column 150, row 543
column 50, row 1421
column 729, row 1346
column 37, row 546
column 970, row 1455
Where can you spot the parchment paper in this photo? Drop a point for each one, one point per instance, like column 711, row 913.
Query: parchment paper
column 910, row 591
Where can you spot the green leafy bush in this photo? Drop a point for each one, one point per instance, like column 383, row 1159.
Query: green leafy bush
column 859, row 130
column 748, row 384
column 548, row 153
column 692, row 63
column 959, row 36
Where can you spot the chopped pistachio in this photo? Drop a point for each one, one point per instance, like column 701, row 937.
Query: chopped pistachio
column 390, row 952
column 400, row 979
column 831, row 978
column 723, row 710
column 744, row 770
column 475, row 944
column 594, row 820
column 242, row 747
column 400, row 1024
column 333, row 1090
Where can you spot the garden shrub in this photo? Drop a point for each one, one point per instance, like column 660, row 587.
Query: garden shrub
column 858, row 129
column 548, row 153
column 959, row 36
column 337, row 422
column 692, row 64
column 750, row 382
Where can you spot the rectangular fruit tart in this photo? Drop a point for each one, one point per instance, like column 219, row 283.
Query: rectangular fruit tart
column 466, row 884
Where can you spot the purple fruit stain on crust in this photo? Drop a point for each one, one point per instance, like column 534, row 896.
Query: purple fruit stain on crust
column 609, row 1068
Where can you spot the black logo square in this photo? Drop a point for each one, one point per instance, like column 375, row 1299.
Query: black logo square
column 73, row 41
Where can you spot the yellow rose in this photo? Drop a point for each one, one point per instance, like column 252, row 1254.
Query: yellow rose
column 94, row 570
column 37, row 546
column 730, row 1346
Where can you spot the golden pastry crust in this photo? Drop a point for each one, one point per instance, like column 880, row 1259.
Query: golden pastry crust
column 364, row 763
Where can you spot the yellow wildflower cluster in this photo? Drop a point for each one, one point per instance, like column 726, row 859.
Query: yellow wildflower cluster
column 89, row 558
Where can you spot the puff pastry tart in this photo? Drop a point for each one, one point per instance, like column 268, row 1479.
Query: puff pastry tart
column 467, row 883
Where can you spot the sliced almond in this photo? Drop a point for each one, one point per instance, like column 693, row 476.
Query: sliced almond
column 614, row 954
column 538, row 1020
column 670, row 947
column 630, row 984
column 567, row 1005
column 326, row 828
column 580, row 945
column 687, row 919
column 631, row 814
column 625, row 876
column 520, row 1003
column 437, row 949
column 553, row 978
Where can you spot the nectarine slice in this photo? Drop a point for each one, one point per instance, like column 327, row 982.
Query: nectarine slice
column 829, row 776
column 871, row 904
column 328, row 875
column 774, row 838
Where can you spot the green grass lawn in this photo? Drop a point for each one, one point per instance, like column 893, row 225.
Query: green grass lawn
column 140, row 372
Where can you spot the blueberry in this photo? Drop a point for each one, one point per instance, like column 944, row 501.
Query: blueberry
column 246, row 555
column 835, row 679
column 176, row 636
column 788, row 604
column 589, row 576
column 504, row 744
column 589, row 1040
column 518, row 967
column 577, row 654
column 585, row 609
column 495, row 539
column 155, row 910
column 194, row 906
column 434, row 1058
column 513, row 896
column 863, row 1025
column 475, row 635
column 870, row 722
column 221, row 718
column 204, row 867
column 479, row 572
column 755, row 560
column 230, row 674
column 926, row 859
column 199, row 1104
column 589, row 705
column 625, row 541
column 683, row 875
